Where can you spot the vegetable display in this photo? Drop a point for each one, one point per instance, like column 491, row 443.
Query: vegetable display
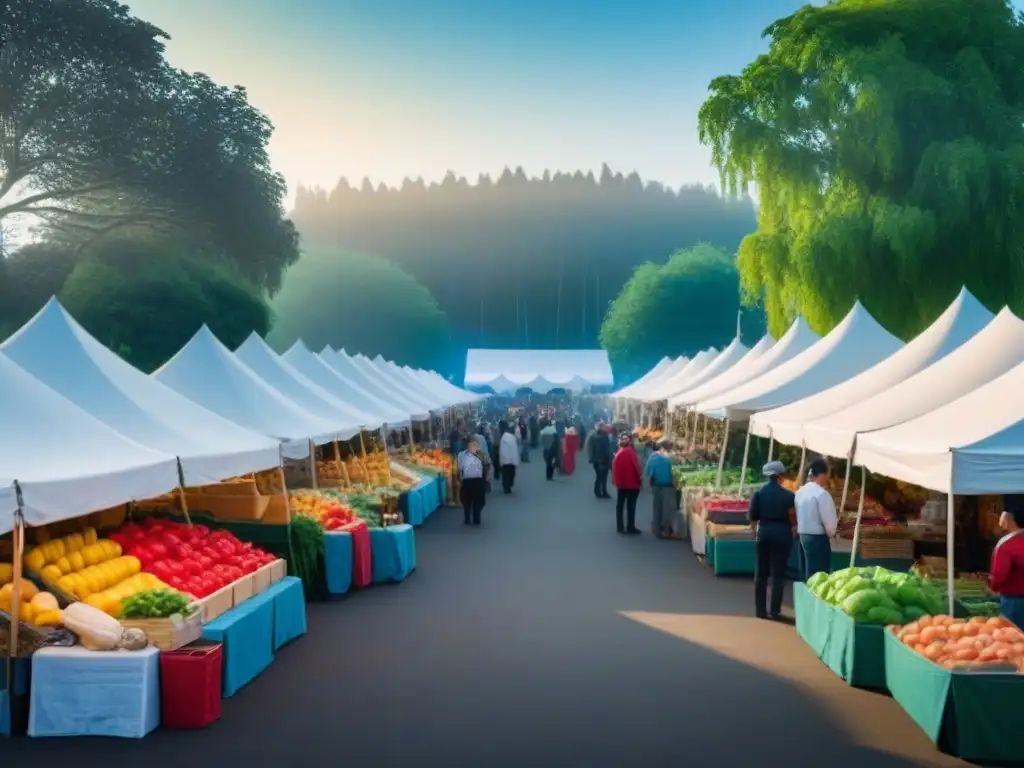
column 965, row 643
column 330, row 512
column 38, row 608
column 155, row 604
column 190, row 559
column 878, row 595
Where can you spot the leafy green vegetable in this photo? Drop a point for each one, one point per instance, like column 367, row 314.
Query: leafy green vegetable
column 156, row 604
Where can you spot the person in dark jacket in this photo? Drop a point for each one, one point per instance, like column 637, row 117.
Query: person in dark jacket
column 772, row 515
column 534, row 430
column 627, row 478
column 599, row 454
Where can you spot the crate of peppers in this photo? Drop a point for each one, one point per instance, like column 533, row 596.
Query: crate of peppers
column 168, row 617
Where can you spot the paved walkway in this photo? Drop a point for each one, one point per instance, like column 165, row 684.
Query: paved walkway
column 540, row 639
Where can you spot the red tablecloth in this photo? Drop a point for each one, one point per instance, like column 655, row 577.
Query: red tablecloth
column 362, row 553
column 572, row 445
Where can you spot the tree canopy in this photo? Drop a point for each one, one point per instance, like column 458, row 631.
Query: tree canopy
column 677, row 308
column 518, row 261
column 363, row 304
column 98, row 132
column 886, row 140
column 145, row 296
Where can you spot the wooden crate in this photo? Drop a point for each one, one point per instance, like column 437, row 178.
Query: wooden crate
column 242, row 589
column 886, row 548
column 217, row 603
column 239, row 488
column 169, row 634
column 229, row 507
column 278, row 570
column 261, row 579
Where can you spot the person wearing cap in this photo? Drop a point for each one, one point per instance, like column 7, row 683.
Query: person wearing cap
column 1006, row 573
column 473, row 478
column 771, row 516
column 816, row 520
column 658, row 472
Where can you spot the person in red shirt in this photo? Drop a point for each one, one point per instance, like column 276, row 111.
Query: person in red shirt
column 627, row 479
column 1006, row 575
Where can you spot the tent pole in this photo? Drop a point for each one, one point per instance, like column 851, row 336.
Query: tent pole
column 312, row 465
column 704, row 436
column 339, row 465
column 771, row 445
column 860, row 514
column 18, row 539
column 746, row 455
column 950, row 538
column 846, row 482
column 721, row 459
column 693, row 437
column 803, row 463
column 182, row 502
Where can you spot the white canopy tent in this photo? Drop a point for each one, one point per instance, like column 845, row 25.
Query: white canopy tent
column 206, row 372
column 964, row 318
column 539, row 369
column 768, row 357
column 856, row 344
column 725, row 360
column 58, row 351
column 698, row 363
column 973, row 445
column 395, row 384
column 439, row 384
column 425, row 384
column 318, row 371
column 652, row 381
column 992, row 352
column 656, row 371
column 754, row 353
column 66, row 462
column 372, row 382
column 268, row 365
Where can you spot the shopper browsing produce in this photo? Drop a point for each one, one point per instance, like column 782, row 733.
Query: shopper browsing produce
column 771, row 519
column 1007, row 569
column 472, row 473
column 816, row 520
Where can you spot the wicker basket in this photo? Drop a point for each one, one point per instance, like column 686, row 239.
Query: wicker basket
column 169, row 634
column 225, row 507
column 886, row 549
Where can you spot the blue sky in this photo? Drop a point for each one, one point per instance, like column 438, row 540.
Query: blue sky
column 394, row 88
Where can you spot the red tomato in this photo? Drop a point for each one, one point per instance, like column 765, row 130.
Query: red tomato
column 192, row 566
column 204, row 561
column 226, row 546
column 184, row 551
column 161, row 570
column 171, row 540
column 143, row 553
column 176, row 568
column 158, row 550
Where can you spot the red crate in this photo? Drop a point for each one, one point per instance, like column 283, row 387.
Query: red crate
column 190, row 685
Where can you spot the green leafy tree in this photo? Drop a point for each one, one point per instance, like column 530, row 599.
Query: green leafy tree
column 886, row 139
column 29, row 277
column 145, row 296
column 676, row 308
column 362, row 304
column 98, row 133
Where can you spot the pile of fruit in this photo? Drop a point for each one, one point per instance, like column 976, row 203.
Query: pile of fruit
column 190, row 559
column 878, row 595
column 36, row 607
column 329, row 511
column 959, row 643
column 435, row 458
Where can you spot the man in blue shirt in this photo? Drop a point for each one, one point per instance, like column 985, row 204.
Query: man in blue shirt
column 658, row 472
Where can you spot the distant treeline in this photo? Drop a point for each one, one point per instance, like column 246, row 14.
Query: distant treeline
column 522, row 262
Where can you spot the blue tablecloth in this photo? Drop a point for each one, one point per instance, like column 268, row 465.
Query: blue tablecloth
column 420, row 501
column 442, row 490
column 338, row 561
column 394, row 553
column 247, row 633
column 289, row 601
column 76, row 692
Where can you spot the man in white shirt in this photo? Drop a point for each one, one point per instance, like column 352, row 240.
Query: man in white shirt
column 508, row 456
column 472, row 477
column 816, row 520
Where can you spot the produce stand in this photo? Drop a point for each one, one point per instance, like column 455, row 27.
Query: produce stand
column 731, row 556
column 973, row 715
column 420, row 501
column 855, row 652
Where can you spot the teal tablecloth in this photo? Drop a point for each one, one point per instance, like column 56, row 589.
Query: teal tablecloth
column 855, row 652
column 394, row 553
column 247, row 634
column 289, row 600
column 338, row 561
column 731, row 556
column 972, row 715
column 420, row 501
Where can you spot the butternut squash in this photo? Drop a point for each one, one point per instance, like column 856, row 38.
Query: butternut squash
column 96, row 630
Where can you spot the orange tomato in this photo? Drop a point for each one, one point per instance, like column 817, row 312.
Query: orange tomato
column 913, row 628
column 934, row 650
column 911, row 640
column 933, row 633
column 966, row 654
column 925, row 621
column 977, row 620
column 955, row 630
column 971, row 629
column 988, row 654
